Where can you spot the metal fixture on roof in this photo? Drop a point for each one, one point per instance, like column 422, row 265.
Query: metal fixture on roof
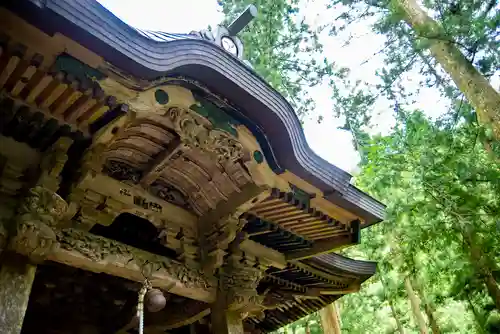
column 242, row 20
column 226, row 37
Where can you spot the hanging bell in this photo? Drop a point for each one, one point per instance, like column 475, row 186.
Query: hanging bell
column 155, row 300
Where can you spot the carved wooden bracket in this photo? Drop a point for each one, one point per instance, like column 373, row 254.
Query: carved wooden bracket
column 238, row 281
column 43, row 205
column 53, row 163
column 39, row 213
column 219, row 228
column 216, row 242
column 189, row 248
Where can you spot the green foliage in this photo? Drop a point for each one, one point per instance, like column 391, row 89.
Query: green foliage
column 310, row 324
column 440, row 185
column 470, row 25
column 282, row 48
column 442, row 190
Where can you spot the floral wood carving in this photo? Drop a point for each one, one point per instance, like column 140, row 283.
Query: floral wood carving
column 34, row 239
column 169, row 193
column 194, row 133
column 238, row 279
column 39, row 212
column 44, row 206
column 93, row 247
column 122, row 171
column 98, row 248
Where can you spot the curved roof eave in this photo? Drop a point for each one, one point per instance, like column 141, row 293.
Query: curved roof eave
column 339, row 262
column 129, row 49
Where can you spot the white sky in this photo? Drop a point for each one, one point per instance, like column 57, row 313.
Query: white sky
column 325, row 139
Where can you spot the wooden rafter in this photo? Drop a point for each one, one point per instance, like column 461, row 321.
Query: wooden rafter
column 323, row 246
column 155, row 169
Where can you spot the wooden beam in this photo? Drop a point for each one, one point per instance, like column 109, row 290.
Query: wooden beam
column 227, row 213
column 134, row 200
column 90, row 252
column 270, row 256
column 333, row 292
column 323, row 246
column 159, row 163
column 239, row 203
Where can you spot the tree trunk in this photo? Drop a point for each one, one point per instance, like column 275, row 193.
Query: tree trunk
column 493, row 290
column 429, row 311
column 395, row 316
column 330, row 319
column 308, row 330
column 479, row 321
column 476, row 88
column 483, row 269
column 415, row 306
column 391, row 304
column 428, row 307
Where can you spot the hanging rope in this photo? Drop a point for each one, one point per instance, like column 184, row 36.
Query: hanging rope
column 140, row 307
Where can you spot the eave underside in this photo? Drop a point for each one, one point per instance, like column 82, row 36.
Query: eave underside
column 133, row 54
column 108, row 158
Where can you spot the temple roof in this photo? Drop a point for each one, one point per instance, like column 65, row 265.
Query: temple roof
column 170, row 147
column 151, row 56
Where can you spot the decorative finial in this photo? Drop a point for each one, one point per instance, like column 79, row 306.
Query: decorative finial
column 243, row 20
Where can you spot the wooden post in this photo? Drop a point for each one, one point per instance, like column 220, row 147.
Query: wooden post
column 16, row 279
column 225, row 321
column 330, row 319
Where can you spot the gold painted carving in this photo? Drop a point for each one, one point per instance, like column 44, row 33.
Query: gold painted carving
column 194, row 132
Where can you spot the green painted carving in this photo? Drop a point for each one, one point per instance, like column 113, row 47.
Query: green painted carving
column 79, row 70
column 218, row 117
column 161, row 96
column 258, row 156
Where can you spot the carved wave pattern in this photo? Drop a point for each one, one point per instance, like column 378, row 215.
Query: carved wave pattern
column 175, row 165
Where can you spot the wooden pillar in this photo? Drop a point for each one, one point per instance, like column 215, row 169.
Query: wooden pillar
column 330, row 319
column 16, row 279
column 225, row 321
column 237, row 295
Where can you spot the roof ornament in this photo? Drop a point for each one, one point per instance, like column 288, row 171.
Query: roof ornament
column 242, row 20
column 225, row 37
